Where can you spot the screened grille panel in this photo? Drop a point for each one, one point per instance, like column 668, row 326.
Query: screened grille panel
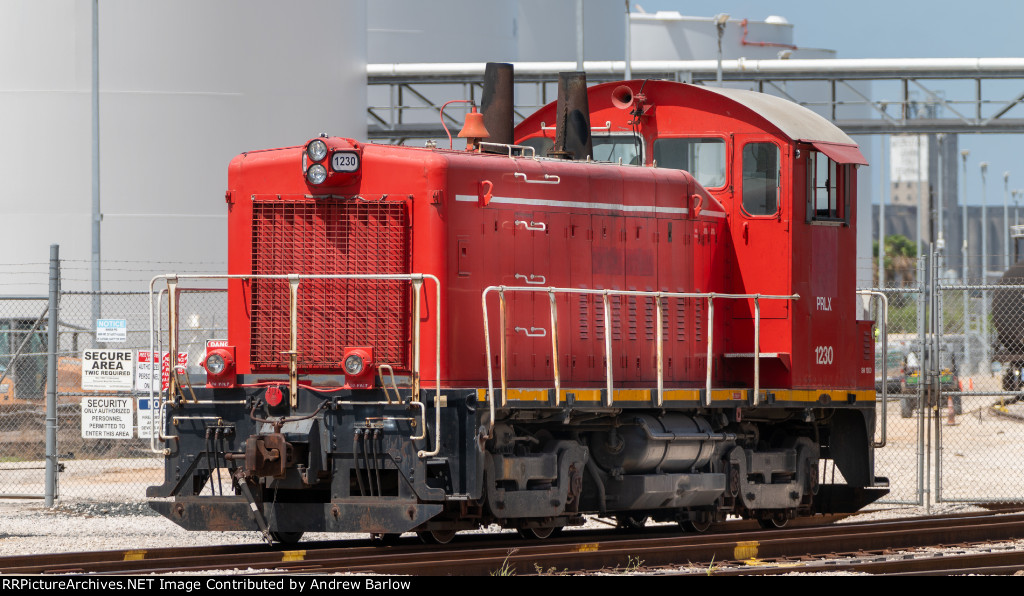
column 319, row 237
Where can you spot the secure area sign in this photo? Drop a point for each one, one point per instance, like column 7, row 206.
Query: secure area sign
column 107, row 370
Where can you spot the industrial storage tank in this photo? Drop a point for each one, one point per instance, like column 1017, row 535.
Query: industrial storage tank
column 669, row 35
column 513, row 31
column 183, row 87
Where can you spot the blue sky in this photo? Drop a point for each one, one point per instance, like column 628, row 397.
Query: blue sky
column 883, row 29
column 904, row 29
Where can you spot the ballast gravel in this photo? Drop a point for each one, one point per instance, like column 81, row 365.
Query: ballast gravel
column 27, row 527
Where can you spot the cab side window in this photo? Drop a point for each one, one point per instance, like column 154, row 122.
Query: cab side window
column 760, row 185
column 826, row 188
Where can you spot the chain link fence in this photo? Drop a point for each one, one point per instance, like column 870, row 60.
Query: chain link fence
column 102, row 425
column 979, row 417
column 86, row 446
column 23, row 351
column 965, row 369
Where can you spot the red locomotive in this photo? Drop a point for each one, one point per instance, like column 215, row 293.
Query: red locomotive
column 641, row 306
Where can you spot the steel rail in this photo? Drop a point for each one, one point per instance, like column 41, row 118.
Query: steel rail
column 1001, row 562
column 574, row 551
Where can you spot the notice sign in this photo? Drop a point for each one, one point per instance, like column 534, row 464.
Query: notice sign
column 107, row 418
column 111, row 330
column 107, row 370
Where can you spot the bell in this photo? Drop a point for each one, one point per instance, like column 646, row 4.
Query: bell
column 473, row 129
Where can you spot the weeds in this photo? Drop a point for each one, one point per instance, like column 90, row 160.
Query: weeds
column 506, row 569
column 712, row 568
column 550, row 570
column 633, row 564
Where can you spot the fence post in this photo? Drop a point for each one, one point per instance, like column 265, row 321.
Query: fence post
column 52, row 334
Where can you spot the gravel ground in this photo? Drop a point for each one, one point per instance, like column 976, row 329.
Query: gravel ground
column 30, row 528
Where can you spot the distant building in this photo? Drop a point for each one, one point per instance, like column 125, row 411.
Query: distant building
column 899, row 219
column 923, row 170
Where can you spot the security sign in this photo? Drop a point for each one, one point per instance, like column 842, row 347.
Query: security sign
column 107, row 418
column 107, row 370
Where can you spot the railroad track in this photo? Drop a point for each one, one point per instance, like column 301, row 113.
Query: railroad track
column 730, row 548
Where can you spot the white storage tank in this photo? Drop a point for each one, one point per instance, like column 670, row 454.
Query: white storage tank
column 669, row 35
column 511, row 31
column 184, row 86
column 547, row 30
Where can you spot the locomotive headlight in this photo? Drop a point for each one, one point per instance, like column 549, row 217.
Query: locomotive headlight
column 219, row 362
column 354, row 364
column 316, row 174
column 215, row 364
column 317, row 151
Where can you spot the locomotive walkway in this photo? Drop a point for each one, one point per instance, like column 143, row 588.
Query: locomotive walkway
column 730, row 548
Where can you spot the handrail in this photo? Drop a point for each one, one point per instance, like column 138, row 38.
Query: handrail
column 606, row 295
column 156, row 432
column 884, row 332
column 416, row 279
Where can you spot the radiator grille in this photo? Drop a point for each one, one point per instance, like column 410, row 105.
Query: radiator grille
column 313, row 237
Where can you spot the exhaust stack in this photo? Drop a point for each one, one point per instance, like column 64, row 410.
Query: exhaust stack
column 498, row 102
column 572, row 134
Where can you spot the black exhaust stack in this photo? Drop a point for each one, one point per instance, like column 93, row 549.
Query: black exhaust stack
column 498, row 102
column 572, row 134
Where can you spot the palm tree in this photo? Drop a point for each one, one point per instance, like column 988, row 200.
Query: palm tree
column 900, row 259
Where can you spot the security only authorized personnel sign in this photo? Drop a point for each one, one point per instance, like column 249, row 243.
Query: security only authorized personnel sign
column 107, row 370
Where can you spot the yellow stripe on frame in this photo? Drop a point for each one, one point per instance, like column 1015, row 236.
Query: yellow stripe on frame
column 680, row 394
column 527, row 395
column 632, row 395
column 835, row 396
column 593, row 395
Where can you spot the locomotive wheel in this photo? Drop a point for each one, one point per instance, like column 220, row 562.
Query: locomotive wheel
column 385, row 539
column 700, row 524
column 774, row 521
column 436, row 536
column 631, row 522
column 537, row 533
column 286, row 537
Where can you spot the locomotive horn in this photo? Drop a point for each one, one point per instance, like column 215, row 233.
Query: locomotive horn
column 572, row 126
column 498, row 102
column 622, row 97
